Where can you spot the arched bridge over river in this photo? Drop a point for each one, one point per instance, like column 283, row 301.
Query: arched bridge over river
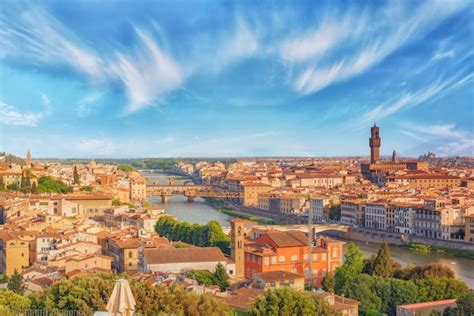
column 190, row 191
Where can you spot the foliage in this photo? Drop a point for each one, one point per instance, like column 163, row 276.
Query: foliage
column 383, row 262
column 287, row 301
column 147, row 205
column 116, row 202
column 91, row 293
column 126, row 168
column 11, row 301
column 49, row 185
column 209, row 235
column 87, row 188
column 219, row 206
column 2, row 185
column 465, row 304
column 434, row 288
column 220, row 277
column 328, row 283
column 352, row 267
column 77, row 179
column 13, row 187
column 15, row 283
column 34, row 188
column 415, row 273
column 202, row 277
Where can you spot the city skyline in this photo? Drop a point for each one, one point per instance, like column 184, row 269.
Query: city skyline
column 226, row 79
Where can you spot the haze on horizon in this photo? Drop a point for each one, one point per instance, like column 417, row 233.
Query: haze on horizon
column 105, row 79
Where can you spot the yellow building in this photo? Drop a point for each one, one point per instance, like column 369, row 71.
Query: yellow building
column 14, row 253
column 469, row 229
column 425, row 181
column 138, row 189
column 276, row 279
column 251, row 191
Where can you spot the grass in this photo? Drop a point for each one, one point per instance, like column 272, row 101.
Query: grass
column 422, row 248
column 219, row 206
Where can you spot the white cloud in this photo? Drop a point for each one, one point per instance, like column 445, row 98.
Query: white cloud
column 148, row 74
column 358, row 45
column 37, row 36
column 87, row 103
column 45, row 99
column 410, row 99
column 462, row 147
column 442, row 55
column 10, row 116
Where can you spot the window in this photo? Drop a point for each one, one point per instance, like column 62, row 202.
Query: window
column 334, row 252
column 130, row 254
column 324, row 272
column 305, row 257
column 259, row 260
column 315, row 257
column 266, row 261
column 274, row 260
column 281, row 259
column 294, row 257
column 324, row 257
column 272, row 284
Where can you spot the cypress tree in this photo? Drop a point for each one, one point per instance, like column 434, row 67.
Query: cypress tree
column 383, row 262
column 77, row 180
column 34, row 188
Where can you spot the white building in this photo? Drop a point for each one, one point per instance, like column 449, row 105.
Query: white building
column 375, row 215
column 320, row 208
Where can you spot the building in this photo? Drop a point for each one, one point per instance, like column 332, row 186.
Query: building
column 427, row 308
column 404, row 217
column 14, row 253
column 177, row 260
column 138, row 189
column 276, row 279
column 251, row 191
column 237, row 234
column 376, row 166
column 353, row 212
column 469, row 228
column 425, row 181
column 288, row 251
column 375, row 215
column 320, row 208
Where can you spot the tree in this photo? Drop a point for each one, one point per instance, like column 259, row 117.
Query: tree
column 34, row 188
column 15, row 283
column 2, row 184
column 433, row 289
column 87, row 188
column 77, row 179
column 383, row 262
column 415, row 273
column 362, row 288
column 11, row 302
column 328, row 283
column 352, row 267
column 116, row 202
column 287, row 301
column 220, row 277
column 465, row 304
column 13, row 187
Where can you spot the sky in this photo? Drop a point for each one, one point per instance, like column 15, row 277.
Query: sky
column 184, row 78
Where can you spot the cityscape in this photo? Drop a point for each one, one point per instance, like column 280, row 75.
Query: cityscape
column 236, row 158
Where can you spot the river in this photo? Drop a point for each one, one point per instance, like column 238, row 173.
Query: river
column 200, row 212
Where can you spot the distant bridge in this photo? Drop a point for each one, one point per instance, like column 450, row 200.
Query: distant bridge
column 190, row 191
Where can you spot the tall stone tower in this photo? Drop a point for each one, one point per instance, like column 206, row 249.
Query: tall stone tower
column 237, row 246
column 28, row 158
column 374, row 143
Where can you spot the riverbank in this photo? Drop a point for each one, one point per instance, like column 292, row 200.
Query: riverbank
column 219, row 206
column 429, row 249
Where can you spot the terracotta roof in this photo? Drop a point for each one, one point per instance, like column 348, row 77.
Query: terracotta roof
column 242, row 298
column 178, row 255
column 428, row 304
column 288, row 238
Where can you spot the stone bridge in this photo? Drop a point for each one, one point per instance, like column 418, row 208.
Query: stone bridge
column 190, row 191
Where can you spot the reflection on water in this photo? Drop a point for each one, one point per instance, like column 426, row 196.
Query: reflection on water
column 463, row 268
column 194, row 212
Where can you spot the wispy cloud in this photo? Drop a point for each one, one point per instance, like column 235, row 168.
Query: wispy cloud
column 332, row 53
column 411, row 99
column 87, row 103
column 442, row 55
column 45, row 99
column 10, row 116
column 96, row 147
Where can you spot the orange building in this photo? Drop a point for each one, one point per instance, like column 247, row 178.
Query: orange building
column 288, row 251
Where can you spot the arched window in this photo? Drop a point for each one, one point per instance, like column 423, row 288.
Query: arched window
column 130, row 254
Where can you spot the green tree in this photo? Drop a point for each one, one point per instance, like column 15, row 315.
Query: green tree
column 415, row 273
column 13, row 302
column 352, row 267
column 77, row 179
column 87, row 188
column 220, row 277
column 34, row 188
column 287, row 301
column 13, row 187
column 465, row 304
column 2, row 184
column 383, row 262
column 49, row 185
column 401, row 292
column 433, row 289
column 362, row 288
column 126, row 168
column 328, row 283
column 15, row 283
column 116, row 202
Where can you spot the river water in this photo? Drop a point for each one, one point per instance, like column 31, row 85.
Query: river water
column 200, row 212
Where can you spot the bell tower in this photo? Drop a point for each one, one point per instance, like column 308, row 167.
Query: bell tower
column 237, row 246
column 374, row 143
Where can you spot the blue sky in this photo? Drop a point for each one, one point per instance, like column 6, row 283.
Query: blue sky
column 235, row 78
